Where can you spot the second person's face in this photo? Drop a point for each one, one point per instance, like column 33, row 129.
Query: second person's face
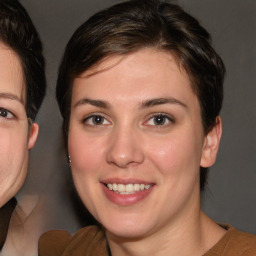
column 15, row 136
column 136, row 143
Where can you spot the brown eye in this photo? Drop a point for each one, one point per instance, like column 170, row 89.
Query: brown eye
column 96, row 120
column 159, row 120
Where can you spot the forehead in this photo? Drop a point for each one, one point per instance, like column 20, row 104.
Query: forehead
column 149, row 68
column 112, row 61
column 11, row 73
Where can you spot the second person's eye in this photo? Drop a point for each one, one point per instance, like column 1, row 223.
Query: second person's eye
column 6, row 113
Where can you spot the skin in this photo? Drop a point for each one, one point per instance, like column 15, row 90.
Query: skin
column 127, row 95
column 15, row 134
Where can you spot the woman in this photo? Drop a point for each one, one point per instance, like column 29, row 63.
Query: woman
column 22, row 89
column 140, row 90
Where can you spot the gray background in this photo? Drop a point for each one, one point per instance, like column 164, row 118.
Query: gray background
column 231, row 194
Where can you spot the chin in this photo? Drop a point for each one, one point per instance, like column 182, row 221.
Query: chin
column 126, row 227
column 128, row 234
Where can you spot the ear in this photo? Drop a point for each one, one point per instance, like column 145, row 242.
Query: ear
column 33, row 133
column 211, row 144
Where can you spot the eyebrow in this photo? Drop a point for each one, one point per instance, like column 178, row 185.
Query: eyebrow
column 144, row 104
column 161, row 101
column 11, row 96
column 96, row 103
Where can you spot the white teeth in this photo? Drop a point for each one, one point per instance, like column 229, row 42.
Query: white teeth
column 136, row 187
column 120, row 187
column 114, row 187
column 127, row 189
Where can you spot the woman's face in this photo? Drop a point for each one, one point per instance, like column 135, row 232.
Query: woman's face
column 136, row 143
column 15, row 139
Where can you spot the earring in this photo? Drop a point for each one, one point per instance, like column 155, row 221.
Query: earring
column 69, row 159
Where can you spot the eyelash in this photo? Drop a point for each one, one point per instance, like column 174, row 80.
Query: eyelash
column 4, row 113
column 165, row 117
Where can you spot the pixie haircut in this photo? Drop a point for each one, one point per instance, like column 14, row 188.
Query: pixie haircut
column 18, row 32
column 133, row 25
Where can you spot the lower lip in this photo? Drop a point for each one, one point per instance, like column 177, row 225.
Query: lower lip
column 126, row 199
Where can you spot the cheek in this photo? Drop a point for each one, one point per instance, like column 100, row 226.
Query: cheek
column 13, row 162
column 13, row 146
column 175, row 154
column 164, row 155
column 85, row 153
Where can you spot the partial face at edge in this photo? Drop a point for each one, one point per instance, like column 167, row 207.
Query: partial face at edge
column 15, row 136
column 137, row 123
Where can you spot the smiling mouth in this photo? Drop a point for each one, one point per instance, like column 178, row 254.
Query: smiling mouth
column 128, row 188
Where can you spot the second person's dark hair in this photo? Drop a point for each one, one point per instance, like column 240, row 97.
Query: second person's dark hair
column 17, row 31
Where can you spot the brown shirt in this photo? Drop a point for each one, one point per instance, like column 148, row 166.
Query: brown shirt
column 91, row 241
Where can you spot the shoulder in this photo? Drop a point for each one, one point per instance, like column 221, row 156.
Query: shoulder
column 234, row 242
column 60, row 242
column 242, row 242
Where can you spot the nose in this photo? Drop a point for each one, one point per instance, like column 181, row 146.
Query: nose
column 125, row 148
